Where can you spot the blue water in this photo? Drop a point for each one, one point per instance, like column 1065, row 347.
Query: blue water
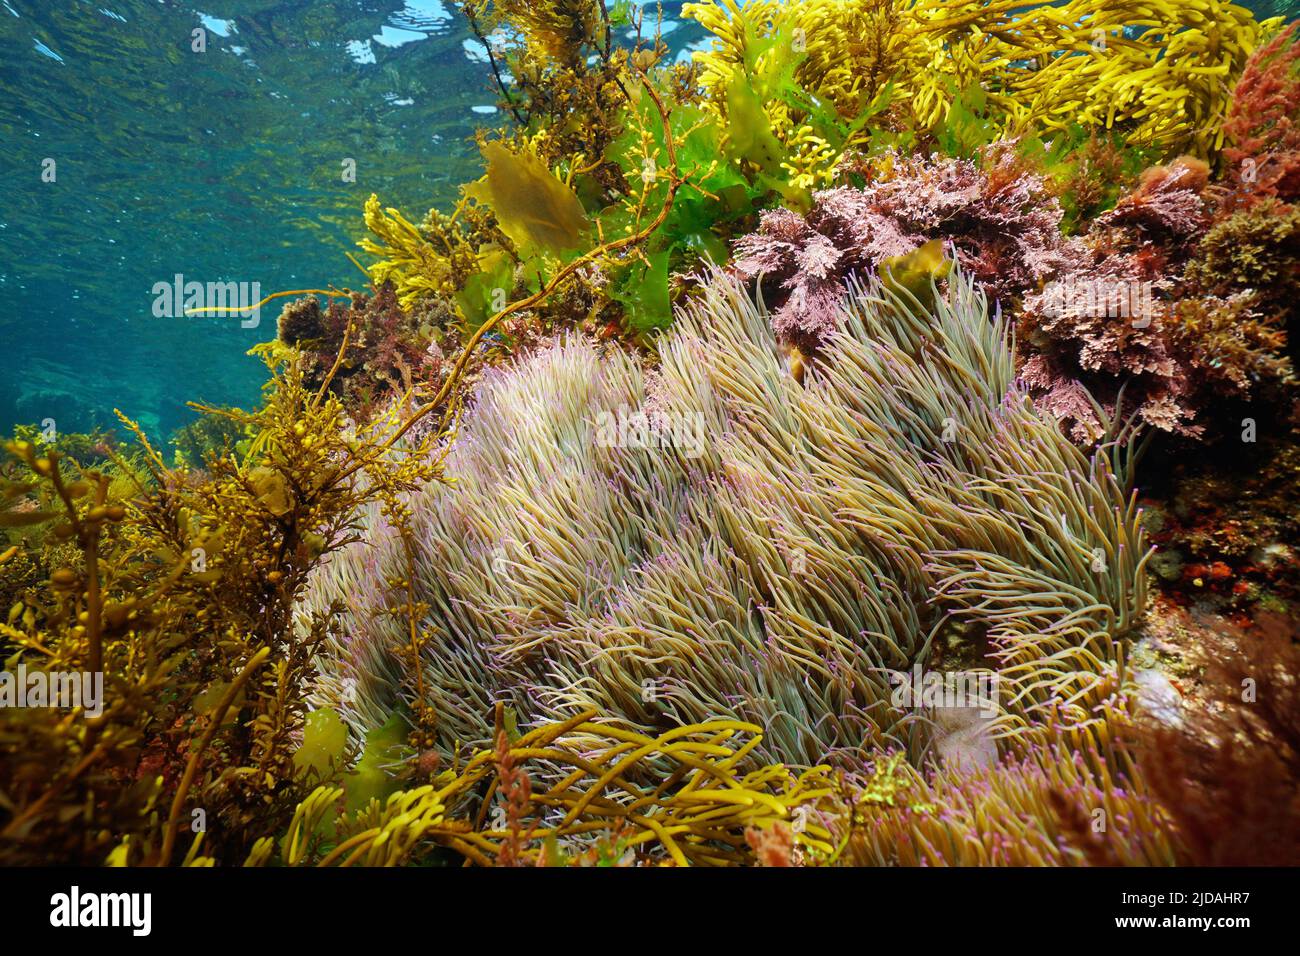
column 223, row 165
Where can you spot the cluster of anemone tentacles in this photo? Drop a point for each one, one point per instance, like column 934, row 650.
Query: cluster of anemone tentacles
column 1054, row 804
column 811, row 536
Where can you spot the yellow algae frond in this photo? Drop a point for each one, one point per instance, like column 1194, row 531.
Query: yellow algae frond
column 536, row 210
column 1162, row 71
column 673, row 798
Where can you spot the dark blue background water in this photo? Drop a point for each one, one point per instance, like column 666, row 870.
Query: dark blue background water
column 221, row 166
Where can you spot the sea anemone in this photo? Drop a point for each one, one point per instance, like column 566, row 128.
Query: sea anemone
column 759, row 549
column 1054, row 806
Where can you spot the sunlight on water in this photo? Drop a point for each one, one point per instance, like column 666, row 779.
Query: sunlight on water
column 224, row 165
column 218, row 166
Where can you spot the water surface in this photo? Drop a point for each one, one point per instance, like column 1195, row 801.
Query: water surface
column 220, row 165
